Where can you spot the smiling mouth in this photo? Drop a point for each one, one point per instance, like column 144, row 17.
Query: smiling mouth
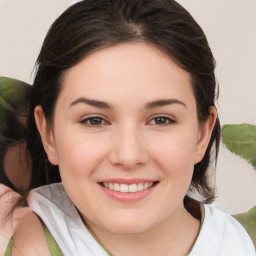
column 131, row 188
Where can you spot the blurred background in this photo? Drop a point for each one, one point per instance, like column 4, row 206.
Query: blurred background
column 230, row 29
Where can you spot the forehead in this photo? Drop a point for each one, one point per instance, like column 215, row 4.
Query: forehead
column 136, row 70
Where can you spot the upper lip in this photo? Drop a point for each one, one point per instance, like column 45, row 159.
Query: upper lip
column 128, row 181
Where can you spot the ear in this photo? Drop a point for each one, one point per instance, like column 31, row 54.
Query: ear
column 46, row 135
column 204, row 135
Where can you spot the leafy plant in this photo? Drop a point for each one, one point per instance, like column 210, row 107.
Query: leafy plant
column 240, row 139
column 13, row 101
column 248, row 220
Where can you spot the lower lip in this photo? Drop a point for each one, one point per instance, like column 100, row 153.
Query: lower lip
column 128, row 197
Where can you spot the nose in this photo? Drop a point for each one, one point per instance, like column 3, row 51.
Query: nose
column 128, row 149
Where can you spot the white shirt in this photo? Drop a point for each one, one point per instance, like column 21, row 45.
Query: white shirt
column 220, row 234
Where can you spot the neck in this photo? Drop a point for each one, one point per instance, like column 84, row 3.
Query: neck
column 173, row 236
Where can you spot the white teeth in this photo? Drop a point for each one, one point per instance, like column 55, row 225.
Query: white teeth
column 140, row 187
column 133, row 188
column 124, row 188
column 116, row 187
column 111, row 186
column 145, row 186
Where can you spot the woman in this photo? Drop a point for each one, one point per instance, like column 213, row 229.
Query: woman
column 123, row 102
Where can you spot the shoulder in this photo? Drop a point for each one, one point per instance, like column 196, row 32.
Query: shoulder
column 29, row 238
column 223, row 222
column 221, row 235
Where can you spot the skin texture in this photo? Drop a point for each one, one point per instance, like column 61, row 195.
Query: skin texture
column 28, row 238
column 129, row 143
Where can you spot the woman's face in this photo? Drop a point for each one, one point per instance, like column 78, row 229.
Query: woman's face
column 126, row 120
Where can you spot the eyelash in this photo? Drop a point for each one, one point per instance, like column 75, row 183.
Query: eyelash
column 101, row 121
column 168, row 120
column 89, row 119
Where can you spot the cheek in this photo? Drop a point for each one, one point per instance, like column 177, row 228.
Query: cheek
column 79, row 154
column 176, row 155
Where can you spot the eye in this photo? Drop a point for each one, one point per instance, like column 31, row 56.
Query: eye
column 161, row 120
column 94, row 121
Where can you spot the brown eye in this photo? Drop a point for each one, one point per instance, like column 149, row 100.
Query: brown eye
column 94, row 121
column 161, row 120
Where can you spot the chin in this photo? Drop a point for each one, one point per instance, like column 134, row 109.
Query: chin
column 129, row 225
column 128, row 229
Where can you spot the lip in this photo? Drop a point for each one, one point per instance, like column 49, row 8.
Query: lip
column 128, row 196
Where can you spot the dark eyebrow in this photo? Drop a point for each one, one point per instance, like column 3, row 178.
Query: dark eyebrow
column 93, row 103
column 160, row 103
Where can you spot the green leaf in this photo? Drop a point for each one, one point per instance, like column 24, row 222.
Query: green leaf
column 13, row 99
column 240, row 139
column 248, row 220
column 13, row 91
column 4, row 110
